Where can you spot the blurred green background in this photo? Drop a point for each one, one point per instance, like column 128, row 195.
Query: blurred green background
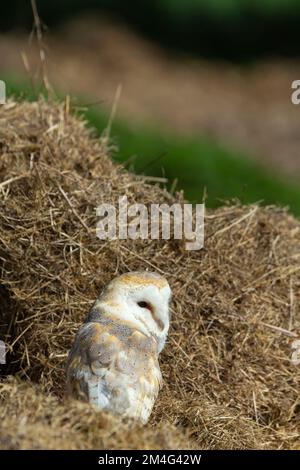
column 238, row 32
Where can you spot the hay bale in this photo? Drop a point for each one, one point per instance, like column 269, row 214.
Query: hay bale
column 229, row 382
column 34, row 420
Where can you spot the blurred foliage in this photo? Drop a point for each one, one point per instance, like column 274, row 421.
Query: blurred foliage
column 231, row 29
column 200, row 165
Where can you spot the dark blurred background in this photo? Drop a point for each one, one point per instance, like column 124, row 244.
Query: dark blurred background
column 237, row 30
column 206, row 86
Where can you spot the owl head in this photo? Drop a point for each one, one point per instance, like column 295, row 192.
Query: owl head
column 142, row 298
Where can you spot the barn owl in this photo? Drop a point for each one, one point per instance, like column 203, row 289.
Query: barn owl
column 113, row 363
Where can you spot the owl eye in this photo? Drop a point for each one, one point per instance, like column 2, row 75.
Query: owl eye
column 143, row 304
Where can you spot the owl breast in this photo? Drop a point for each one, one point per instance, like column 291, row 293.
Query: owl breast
column 115, row 368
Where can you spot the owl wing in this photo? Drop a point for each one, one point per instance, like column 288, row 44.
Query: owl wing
column 114, row 371
column 89, row 364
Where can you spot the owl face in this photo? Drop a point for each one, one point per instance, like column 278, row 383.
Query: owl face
column 143, row 299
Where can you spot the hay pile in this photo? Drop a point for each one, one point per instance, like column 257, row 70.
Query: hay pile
column 228, row 379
